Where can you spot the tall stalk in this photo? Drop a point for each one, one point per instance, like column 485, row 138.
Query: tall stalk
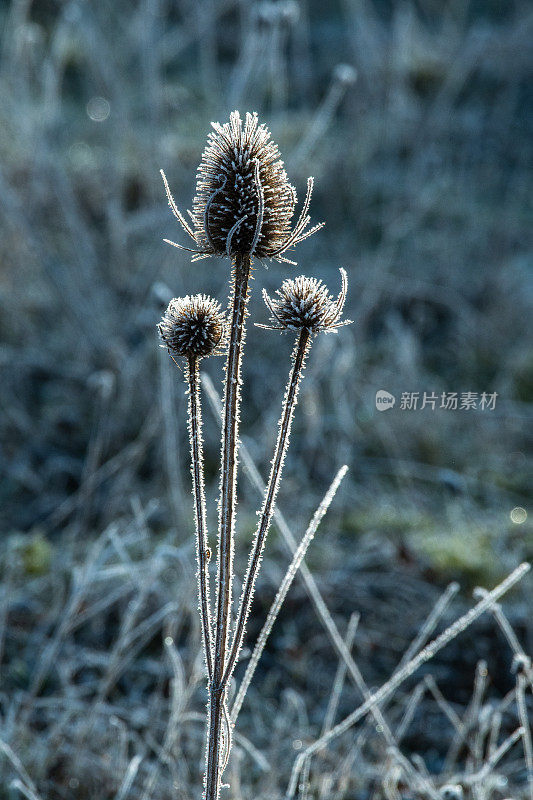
column 289, row 403
column 197, row 472
column 230, row 429
column 192, row 328
column 244, row 206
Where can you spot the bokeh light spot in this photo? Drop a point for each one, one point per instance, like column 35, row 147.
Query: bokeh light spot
column 98, row 109
column 518, row 515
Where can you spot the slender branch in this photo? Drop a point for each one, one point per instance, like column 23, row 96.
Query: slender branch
column 302, row 346
column 284, row 587
column 197, row 472
column 226, row 522
column 306, row 575
column 424, row 655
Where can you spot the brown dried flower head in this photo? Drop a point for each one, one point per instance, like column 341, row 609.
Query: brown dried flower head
column 192, row 326
column 244, row 202
column 306, row 303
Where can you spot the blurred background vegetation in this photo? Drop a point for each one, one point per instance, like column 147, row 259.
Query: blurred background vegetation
column 416, row 120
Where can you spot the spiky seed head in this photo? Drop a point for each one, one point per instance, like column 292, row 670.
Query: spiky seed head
column 306, row 303
column 192, row 326
column 244, row 203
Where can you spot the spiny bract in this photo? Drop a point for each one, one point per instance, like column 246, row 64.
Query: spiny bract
column 192, row 326
column 306, row 303
column 244, row 202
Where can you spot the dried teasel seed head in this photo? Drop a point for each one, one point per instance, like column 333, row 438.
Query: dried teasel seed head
column 192, row 326
column 305, row 303
column 244, row 203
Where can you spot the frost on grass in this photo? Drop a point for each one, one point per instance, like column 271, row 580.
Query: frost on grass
column 103, row 692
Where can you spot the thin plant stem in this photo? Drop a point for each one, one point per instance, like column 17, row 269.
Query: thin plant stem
column 338, row 683
column 230, row 427
column 430, row 623
column 197, row 472
column 510, row 635
column 170, row 440
column 284, row 588
column 301, row 349
column 308, row 580
column 386, row 690
column 521, row 682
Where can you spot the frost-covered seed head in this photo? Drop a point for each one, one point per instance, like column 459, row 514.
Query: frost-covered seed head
column 306, row 303
column 244, row 203
column 192, row 326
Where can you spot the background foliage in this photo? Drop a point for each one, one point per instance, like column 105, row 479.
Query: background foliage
column 423, row 175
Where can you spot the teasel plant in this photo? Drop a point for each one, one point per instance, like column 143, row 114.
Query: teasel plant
column 193, row 328
column 243, row 210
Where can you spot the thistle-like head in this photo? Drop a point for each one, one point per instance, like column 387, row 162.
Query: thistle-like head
column 305, row 303
column 244, row 203
column 192, row 326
